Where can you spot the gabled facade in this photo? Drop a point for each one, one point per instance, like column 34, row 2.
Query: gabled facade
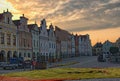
column 58, row 43
column 34, row 30
column 106, row 47
column 85, row 48
column 24, row 38
column 43, row 40
column 8, row 43
column 63, row 42
column 97, row 49
column 52, row 43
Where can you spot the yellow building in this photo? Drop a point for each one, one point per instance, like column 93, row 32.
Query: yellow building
column 8, row 45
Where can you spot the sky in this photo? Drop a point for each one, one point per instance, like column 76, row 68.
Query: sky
column 98, row 18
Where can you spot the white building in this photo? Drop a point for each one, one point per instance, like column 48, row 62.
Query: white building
column 43, row 40
column 33, row 28
column 73, row 45
column 52, row 42
column 85, row 47
column 106, row 47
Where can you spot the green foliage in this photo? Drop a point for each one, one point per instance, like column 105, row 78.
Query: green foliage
column 114, row 50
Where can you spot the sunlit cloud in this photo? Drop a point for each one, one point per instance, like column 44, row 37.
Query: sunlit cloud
column 74, row 15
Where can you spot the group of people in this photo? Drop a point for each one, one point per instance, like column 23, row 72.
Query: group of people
column 32, row 64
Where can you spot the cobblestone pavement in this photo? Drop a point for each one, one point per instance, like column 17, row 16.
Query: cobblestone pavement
column 108, row 79
column 85, row 62
column 2, row 71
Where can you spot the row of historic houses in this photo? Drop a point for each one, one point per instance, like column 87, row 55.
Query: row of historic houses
column 20, row 39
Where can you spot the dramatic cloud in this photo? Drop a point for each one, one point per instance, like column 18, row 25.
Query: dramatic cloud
column 73, row 15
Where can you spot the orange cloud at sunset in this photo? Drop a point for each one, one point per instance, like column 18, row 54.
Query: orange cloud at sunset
column 99, row 18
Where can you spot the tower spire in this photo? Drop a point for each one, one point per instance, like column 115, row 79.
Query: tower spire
column 7, row 10
column 35, row 21
column 23, row 15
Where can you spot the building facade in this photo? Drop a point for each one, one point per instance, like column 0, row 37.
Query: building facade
column 24, row 38
column 85, row 48
column 105, row 49
column 73, row 45
column 43, row 40
column 97, row 49
column 33, row 28
column 63, row 42
column 20, row 39
column 76, row 37
column 8, row 43
column 52, row 43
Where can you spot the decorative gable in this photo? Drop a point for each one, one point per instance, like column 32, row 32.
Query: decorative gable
column 51, row 31
column 43, row 29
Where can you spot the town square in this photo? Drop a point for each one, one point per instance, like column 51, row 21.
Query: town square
column 64, row 40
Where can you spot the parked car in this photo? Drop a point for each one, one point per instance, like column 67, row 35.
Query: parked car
column 10, row 66
column 2, row 63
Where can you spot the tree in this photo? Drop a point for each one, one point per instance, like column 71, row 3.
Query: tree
column 114, row 50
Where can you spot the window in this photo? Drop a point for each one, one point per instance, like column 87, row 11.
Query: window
column 28, row 54
column 24, row 42
column 34, row 43
column 8, row 39
column 54, row 45
column 14, row 40
column 37, row 43
column 8, row 20
column 24, row 54
column 28, row 44
column 20, row 55
column 49, row 45
column 2, row 38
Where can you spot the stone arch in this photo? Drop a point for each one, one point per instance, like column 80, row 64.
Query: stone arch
column 2, row 56
column 9, row 54
column 15, row 54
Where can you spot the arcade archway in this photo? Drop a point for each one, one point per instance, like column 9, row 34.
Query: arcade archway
column 9, row 55
column 2, row 54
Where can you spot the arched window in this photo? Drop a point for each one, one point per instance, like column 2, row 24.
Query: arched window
column 29, row 55
column 14, row 54
column 2, row 58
